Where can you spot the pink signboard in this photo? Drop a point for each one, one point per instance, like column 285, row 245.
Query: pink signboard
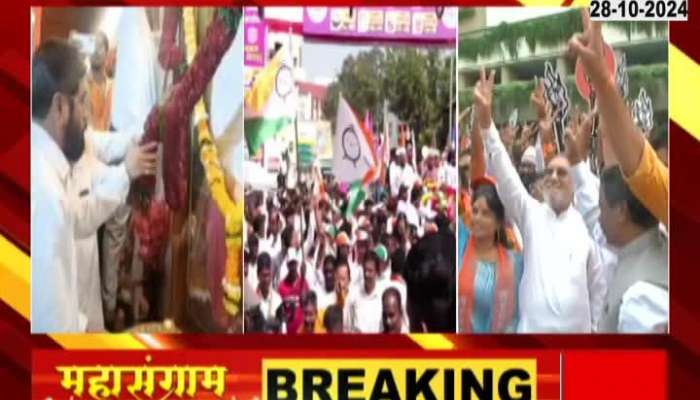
column 255, row 38
column 419, row 25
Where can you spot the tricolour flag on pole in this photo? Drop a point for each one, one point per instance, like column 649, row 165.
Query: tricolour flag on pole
column 270, row 105
column 354, row 157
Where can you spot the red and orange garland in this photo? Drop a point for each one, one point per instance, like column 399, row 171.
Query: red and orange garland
column 232, row 211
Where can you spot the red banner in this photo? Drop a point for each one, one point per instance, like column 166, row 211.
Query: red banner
column 272, row 374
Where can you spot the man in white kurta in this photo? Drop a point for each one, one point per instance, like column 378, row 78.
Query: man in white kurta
column 562, row 287
column 59, row 120
column 401, row 173
column 59, row 116
column 54, row 274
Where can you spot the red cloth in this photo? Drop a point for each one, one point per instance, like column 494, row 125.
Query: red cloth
column 291, row 296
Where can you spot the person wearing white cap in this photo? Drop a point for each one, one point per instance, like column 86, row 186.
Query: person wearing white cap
column 526, row 168
column 400, row 172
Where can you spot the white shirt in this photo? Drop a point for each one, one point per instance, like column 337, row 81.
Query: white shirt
column 644, row 309
column 366, row 310
column 410, row 212
column 644, row 306
column 399, row 176
column 110, row 147
column 137, row 74
column 449, row 175
column 562, row 288
column 54, row 300
column 252, row 275
column 323, row 298
column 97, row 191
column 268, row 306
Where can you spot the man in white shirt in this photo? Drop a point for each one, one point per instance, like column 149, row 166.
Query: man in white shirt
column 325, row 293
column 400, row 173
column 366, row 302
column 270, row 300
column 562, row 287
column 59, row 120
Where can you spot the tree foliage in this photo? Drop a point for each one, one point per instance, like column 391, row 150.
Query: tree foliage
column 548, row 31
column 414, row 82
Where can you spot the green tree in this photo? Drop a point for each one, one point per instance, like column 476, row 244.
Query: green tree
column 360, row 81
column 414, row 82
column 417, row 86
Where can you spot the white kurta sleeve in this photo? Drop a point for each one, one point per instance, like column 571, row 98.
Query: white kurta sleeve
column 596, row 284
column 110, row 186
column 309, row 240
column 511, row 190
column 54, row 307
column 644, row 309
column 111, row 147
column 587, row 187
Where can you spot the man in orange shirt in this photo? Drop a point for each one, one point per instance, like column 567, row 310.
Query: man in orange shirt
column 645, row 173
column 100, row 86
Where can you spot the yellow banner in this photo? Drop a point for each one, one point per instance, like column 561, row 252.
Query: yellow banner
column 476, row 379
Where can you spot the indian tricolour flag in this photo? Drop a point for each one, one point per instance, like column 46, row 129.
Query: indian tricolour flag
column 271, row 103
column 354, row 155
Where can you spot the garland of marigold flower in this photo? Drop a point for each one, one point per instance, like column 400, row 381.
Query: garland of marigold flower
column 232, row 211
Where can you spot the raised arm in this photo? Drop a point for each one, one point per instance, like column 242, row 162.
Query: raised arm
column 109, row 187
column 513, row 194
column 587, row 185
column 111, row 147
column 646, row 174
column 94, row 205
column 596, row 284
column 478, row 157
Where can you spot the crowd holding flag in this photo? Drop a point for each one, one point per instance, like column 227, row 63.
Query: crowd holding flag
column 333, row 252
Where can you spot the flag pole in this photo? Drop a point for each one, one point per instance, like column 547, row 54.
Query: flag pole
column 450, row 126
column 296, row 146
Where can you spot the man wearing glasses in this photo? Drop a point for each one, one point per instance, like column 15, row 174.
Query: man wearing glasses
column 562, row 287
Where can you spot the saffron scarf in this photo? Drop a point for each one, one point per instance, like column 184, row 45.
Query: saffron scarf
column 504, row 294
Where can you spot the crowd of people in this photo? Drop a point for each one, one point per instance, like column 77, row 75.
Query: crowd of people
column 314, row 265
column 548, row 240
column 573, row 241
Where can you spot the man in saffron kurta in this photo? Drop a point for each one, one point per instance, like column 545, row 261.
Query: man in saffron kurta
column 100, row 86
